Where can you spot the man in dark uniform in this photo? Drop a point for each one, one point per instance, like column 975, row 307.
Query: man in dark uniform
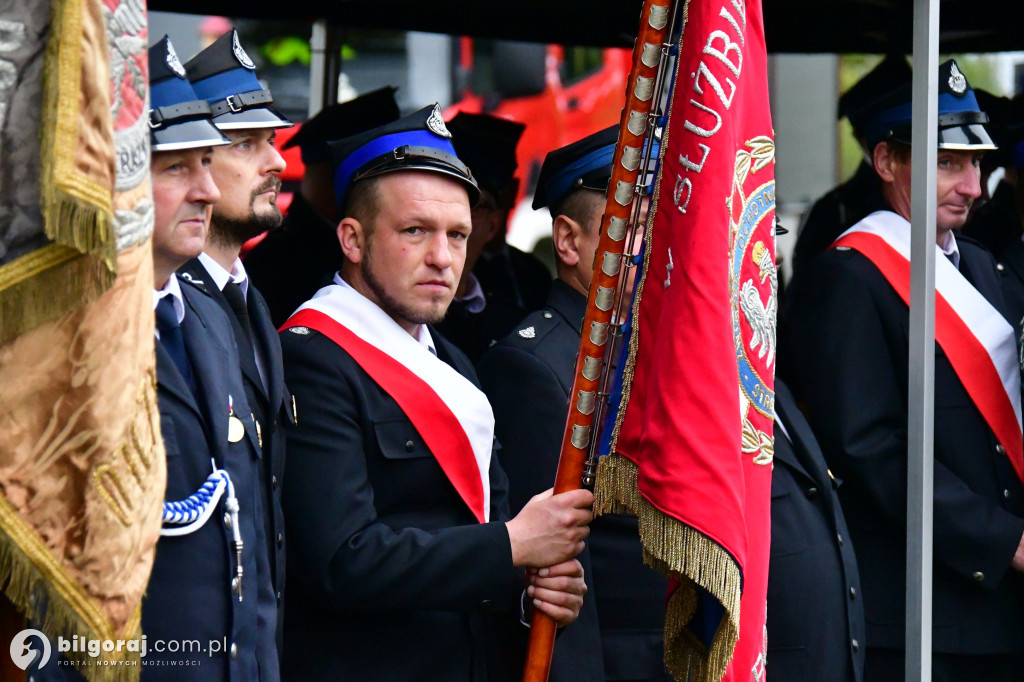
column 292, row 262
column 401, row 549
column 477, row 316
column 246, row 172
column 861, row 194
column 508, row 277
column 211, row 581
column 848, row 315
column 815, row 602
column 528, row 376
column 999, row 223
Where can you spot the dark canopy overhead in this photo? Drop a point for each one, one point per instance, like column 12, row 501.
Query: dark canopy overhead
column 871, row 26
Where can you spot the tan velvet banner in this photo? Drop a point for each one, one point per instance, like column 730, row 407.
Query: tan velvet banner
column 82, row 469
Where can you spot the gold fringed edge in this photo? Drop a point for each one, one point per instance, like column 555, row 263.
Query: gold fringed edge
column 674, row 549
column 36, row 593
column 43, row 285
column 77, row 212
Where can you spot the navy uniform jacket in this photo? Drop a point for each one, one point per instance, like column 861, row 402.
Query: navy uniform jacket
column 815, row 601
column 849, row 329
column 269, row 408
column 294, row 261
column 392, row 578
column 1011, row 281
column 189, row 596
column 527, row 377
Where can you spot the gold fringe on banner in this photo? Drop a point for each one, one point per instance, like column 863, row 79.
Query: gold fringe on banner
column 76, row 182
column 40, row 588
column 677, row 550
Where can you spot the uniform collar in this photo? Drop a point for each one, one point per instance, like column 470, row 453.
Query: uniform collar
column 422, row 334
column 474, row 299
column 950, row 249
column 172, row 289
column 221, row 277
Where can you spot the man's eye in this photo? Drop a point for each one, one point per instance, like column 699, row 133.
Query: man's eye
column 413, row 230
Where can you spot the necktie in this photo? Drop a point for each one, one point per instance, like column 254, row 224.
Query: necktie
column 172, row 340
column 233, row 293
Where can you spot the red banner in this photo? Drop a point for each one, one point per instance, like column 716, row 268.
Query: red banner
column 692, row 447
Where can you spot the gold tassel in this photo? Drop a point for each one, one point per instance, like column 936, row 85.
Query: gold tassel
column 37, row 287
column 34, row 594
column 679, row 551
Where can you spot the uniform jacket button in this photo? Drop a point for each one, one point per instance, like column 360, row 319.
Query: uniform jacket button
column 978, row 576
column 812, row 492
column 1000, row 449
column 855, row 645
column 409, row 446
column 234, row 650
column 280, row 540
column 273, row 482
column 853, row 592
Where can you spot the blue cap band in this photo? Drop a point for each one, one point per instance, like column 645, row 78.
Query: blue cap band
column 383, row 145
column 170, row 91
column 877, row 128
column 562, row 181
column 233, row 82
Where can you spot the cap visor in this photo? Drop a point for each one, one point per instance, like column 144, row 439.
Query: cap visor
column 187, row 135
column 257, row 117
column 971, row 136
column 471, row 187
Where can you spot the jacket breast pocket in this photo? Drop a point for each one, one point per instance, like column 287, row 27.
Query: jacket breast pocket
column 398, row 439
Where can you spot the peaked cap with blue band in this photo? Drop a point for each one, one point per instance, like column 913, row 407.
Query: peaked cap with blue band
column 961, row 121
column 225, row 77
column 584, row 164
column 178, row 118
column 419, row 141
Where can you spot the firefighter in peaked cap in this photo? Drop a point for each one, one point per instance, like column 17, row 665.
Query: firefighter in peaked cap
column 848, row 319
column 861, row 194
column 247, row 172
column 211, row 578
column 397, row 507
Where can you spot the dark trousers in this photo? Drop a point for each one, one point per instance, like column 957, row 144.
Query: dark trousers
column 887, row 665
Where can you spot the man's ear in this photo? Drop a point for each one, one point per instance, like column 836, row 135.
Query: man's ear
column 564, row 231
column 885, row 161
column 352, row 239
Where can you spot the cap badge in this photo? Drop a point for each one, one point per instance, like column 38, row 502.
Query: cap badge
column 173, row 63
column 528, row 333
column 957, row 82
column 436, row 123
column 240, row 54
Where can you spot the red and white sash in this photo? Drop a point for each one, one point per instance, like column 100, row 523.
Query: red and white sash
column 452, row 415
column 978, row 341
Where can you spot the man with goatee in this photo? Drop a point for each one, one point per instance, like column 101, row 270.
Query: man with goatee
column 247, row 172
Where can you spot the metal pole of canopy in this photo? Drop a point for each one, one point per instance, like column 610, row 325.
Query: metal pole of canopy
column 921, row 390
column 324, row 66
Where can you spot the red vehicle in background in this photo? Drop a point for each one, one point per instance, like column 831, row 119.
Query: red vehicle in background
column 560, row 93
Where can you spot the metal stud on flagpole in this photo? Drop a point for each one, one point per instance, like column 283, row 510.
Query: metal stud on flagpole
column 921, row 391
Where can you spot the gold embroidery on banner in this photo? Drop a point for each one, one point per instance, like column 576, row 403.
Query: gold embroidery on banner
column 107, row 479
